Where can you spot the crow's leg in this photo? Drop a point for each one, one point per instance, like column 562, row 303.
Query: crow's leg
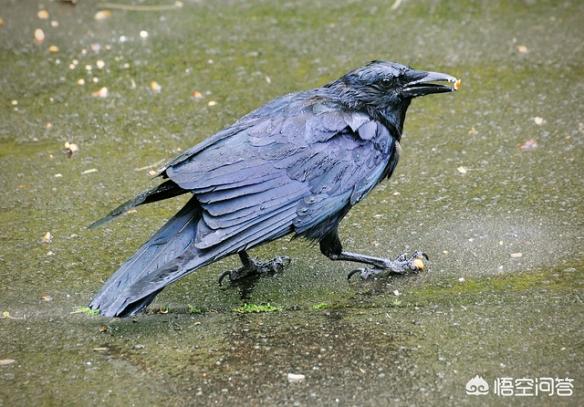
column 253, row 267
column 331, row 247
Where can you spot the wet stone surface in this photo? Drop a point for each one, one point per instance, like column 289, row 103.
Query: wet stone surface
column 489, row 185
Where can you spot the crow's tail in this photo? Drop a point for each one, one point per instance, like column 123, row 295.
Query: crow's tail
column 160, row 261
column 165, row 190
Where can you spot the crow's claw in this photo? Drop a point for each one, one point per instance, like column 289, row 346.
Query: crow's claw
column 365, row 272
column 256, row 268
column 223, row 275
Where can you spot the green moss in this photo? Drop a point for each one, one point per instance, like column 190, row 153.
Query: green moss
column 195, row 310
column 255, row 308
column 507, row 283
column 320, row 306
column 87, row 311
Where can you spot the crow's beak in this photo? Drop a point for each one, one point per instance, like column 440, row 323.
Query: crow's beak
column 425, row 84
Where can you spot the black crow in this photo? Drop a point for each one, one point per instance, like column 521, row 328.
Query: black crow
column 296, row 165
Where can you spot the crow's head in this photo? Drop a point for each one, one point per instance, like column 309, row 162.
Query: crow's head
column 388, row 88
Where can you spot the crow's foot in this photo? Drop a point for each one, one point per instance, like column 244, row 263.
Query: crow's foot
column 256, row 268
column 401, row 265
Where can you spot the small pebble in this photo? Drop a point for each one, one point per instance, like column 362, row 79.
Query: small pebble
column 39, row 36
column 462, row 170
column 522, row 49
column 47, row 238
column 539, row 120
column 296, row 378
column 155, row 87
column 516, row 255
column 54, row 23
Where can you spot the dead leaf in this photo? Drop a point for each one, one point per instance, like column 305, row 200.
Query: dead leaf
column 47, row 238
column 102, row 15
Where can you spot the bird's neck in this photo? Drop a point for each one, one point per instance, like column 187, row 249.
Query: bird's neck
column 393, row 117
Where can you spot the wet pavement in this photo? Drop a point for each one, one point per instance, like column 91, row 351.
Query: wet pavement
column 489, row 185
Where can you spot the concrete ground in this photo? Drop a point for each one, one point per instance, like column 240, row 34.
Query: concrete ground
column 489, row 185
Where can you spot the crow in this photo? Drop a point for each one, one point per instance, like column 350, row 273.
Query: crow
column 296, row 165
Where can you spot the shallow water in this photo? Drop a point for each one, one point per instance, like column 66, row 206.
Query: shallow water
column 502, row 223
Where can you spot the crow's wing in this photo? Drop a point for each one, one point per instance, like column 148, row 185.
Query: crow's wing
column 283, row 173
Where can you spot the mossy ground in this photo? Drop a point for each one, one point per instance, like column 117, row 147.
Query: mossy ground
column 510, row 227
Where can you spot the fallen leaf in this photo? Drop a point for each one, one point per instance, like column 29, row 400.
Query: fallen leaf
column 212, row 103
column 90, row 171
column 196, row 94
column 516, row 255
column 70, row 149
column 46, row 297
column 102, row 93
column 43, row 14
column 102, row 15
column 6, row 362
column 522, row 49
column 529, row 145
